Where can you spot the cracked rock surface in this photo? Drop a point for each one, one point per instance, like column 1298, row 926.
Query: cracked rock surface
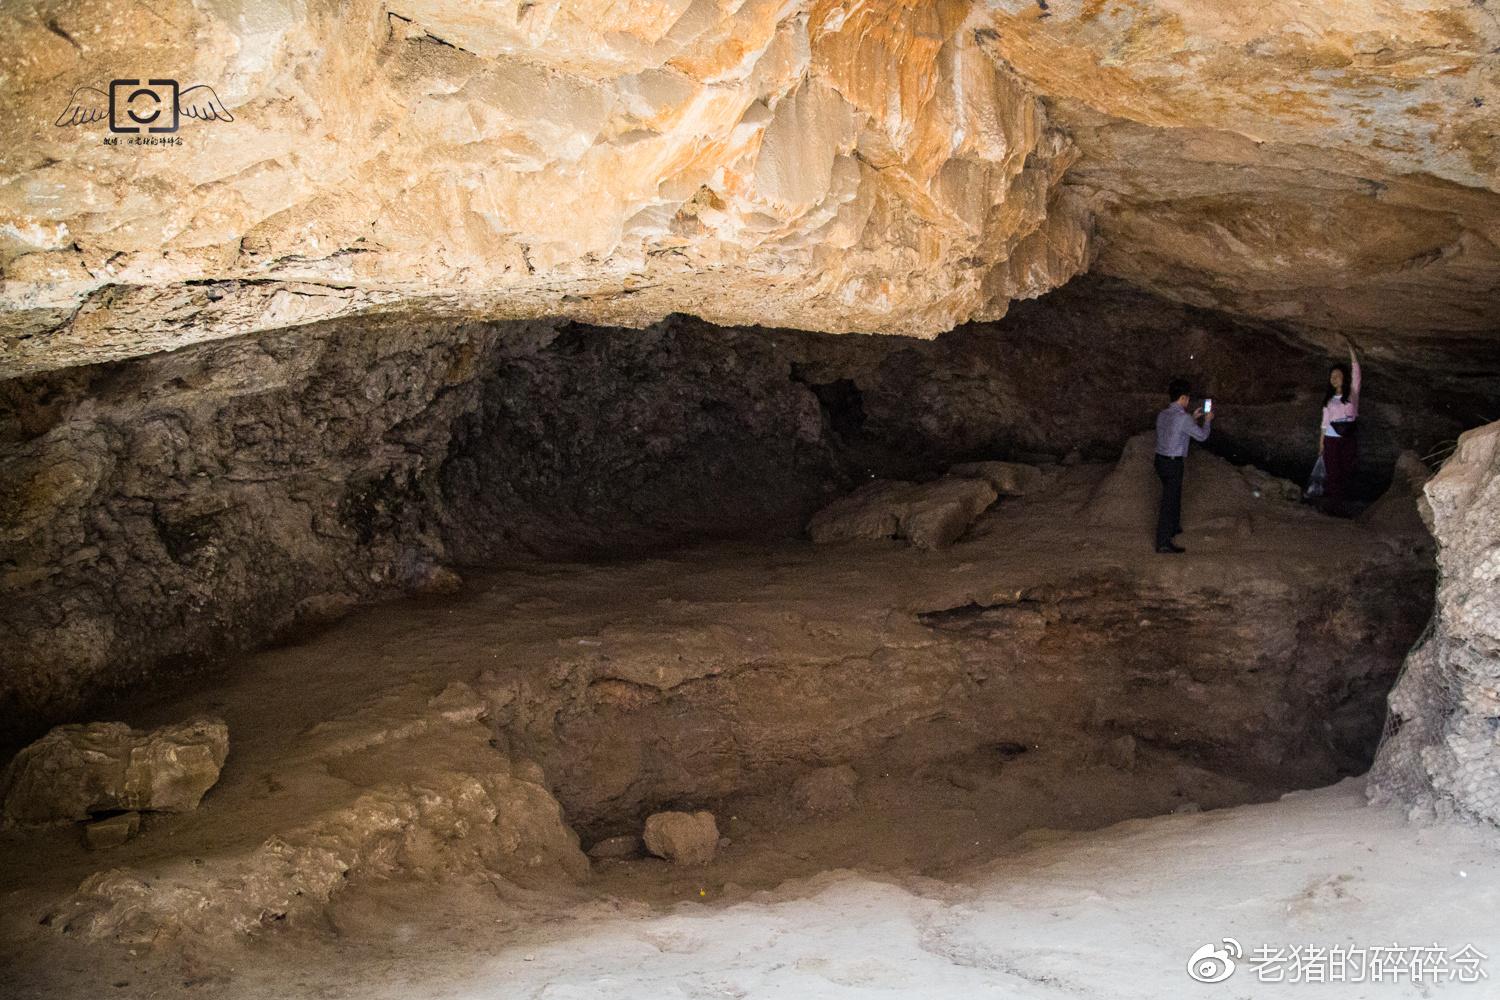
column 887, row 166
column 77, row 771
column 403, row 781
column 1441, row 752
column 793, row 164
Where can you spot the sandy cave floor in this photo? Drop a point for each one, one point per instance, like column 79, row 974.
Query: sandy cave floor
column 1109, row 914
column 972, row 874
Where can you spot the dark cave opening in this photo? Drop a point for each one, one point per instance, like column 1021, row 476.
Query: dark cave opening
column 842, row 403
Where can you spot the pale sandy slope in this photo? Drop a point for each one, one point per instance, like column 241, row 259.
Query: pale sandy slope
column 1112, row 914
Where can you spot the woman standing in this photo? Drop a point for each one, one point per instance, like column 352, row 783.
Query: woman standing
column 1339, row 440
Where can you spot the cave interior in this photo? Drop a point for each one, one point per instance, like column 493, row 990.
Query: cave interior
column 627, row 478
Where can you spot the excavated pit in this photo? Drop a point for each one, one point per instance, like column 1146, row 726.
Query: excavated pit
column 473, row 597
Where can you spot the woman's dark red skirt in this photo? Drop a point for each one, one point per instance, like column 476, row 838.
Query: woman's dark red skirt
column 1339, row 455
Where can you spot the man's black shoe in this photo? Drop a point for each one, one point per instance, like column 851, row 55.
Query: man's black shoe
column 1174, row 549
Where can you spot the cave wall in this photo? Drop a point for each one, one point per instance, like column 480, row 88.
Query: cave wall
column 610, row 440
column 163, row 511
column 621, row 439
column 1109, row 347
column 1442, row 746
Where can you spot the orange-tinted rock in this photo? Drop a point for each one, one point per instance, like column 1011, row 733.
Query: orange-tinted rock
column 751, row 162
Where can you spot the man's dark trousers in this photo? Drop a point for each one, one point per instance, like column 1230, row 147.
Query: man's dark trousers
column 1169, row 515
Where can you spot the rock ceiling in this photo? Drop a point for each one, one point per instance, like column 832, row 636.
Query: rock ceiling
column 845, row 165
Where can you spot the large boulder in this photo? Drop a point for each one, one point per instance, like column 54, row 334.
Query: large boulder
column 76, row 771
column 928, row 515
column 681, row 837
column 1009, row 479
column 402, row 781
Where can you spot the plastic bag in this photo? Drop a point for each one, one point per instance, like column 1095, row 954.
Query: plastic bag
column 1315, row 481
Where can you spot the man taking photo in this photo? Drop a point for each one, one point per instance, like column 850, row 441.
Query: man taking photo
column 1175, row 426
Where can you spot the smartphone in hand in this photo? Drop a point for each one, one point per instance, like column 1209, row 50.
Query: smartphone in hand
column 1208, row 406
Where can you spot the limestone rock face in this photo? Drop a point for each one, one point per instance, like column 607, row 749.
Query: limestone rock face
column 887, row 166
column 685, row 838
column 78, row 770
column 798, row 164
column 1330, row 163
column 1441, row 751
column 270, row 489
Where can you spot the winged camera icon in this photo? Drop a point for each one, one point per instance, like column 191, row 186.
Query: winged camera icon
column 134, row 106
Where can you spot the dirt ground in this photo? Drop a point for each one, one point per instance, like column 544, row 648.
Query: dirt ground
column 953, row 873
column 1110, row 914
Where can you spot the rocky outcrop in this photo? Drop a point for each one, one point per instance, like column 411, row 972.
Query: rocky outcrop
column 201, row 501
column 77, row 771
column 1332, row 164
column 433, row 741
column 407, row 783
column 888, row 166
column 1441, row 751
column 927, row 515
